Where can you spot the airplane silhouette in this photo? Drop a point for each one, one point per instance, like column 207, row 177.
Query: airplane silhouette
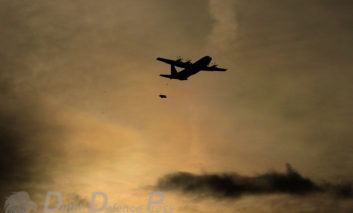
column 189, row 68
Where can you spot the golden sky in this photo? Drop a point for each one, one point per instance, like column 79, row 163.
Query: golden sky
column 80, row 110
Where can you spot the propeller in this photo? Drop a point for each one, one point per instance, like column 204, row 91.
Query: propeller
column 179, row 58
column 214, row 65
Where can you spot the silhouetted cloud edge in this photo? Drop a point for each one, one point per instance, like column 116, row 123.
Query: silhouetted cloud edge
column 233, row 185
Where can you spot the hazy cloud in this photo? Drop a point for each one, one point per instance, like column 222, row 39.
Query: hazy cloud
column 223, row 34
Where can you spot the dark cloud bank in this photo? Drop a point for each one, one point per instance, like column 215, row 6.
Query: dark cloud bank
column 28, row 128
column 29, row 137
column 234, row 185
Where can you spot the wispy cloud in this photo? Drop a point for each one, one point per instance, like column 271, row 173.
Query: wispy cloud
column 223, row 32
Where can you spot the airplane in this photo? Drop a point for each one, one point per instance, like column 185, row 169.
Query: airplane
column 189, row 68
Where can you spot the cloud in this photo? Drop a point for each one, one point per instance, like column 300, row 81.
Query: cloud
column 340, row 190
column 235, row 185
column 28, row 128
column 29, row 134
column 223, row 32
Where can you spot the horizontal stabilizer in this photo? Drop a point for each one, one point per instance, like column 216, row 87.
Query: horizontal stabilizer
column 166, row 76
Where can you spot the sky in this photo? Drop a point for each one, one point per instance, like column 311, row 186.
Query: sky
column 80, row 111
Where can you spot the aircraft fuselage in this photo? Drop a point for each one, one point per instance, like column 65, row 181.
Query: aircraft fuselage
column 192, row 69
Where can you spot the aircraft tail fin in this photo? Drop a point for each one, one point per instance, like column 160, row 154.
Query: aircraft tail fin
column 173, row 70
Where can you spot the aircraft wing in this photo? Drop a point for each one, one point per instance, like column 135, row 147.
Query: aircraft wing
column 177, row 63
column 213, row 68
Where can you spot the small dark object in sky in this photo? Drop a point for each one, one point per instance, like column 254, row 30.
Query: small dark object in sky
column 189, row 68
column 162, row 96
